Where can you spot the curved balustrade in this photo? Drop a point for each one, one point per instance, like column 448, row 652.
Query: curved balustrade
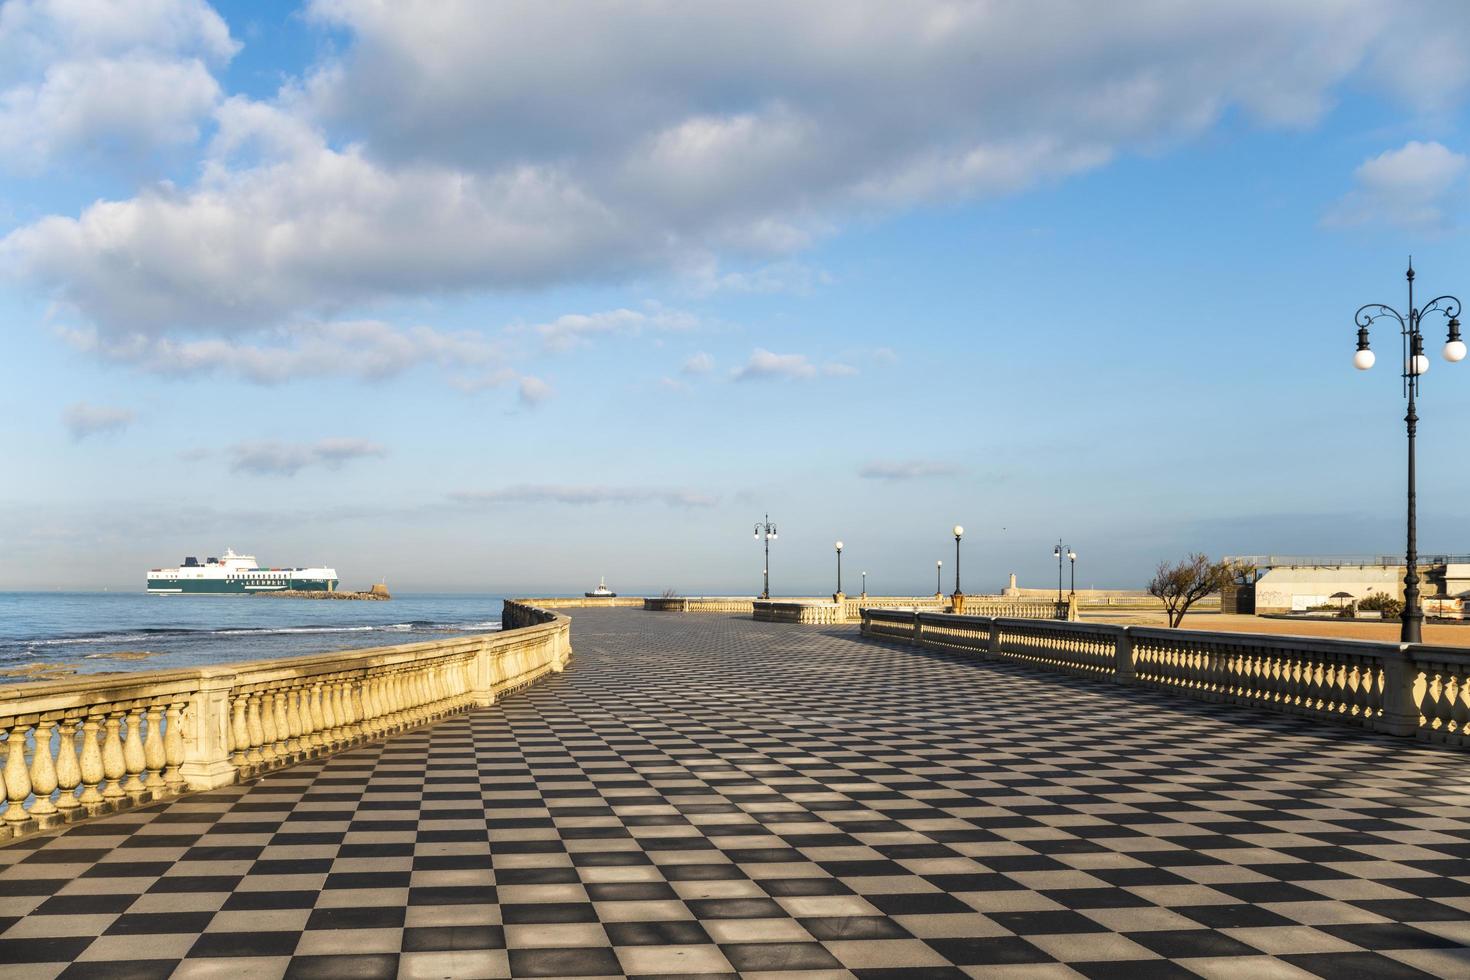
column 1400, row 689
column 80, row 746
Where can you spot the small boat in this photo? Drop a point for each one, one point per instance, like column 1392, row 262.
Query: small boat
column 602, row 591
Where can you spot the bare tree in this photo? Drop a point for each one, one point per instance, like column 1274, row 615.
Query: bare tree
column 1180, row 585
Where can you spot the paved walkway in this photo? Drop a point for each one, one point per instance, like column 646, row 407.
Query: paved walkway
column 706, row 795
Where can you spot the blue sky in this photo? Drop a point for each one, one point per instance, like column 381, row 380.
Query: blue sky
column 501, row 298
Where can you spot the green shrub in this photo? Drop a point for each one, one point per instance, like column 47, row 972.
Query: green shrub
column 1383, row 603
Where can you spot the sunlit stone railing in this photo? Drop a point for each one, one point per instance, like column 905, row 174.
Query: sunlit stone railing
column 807, row 612
column 699, row 604
column 86, row 746
column 1397, row 688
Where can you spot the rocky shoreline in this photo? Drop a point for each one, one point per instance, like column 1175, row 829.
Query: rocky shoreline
column 378, row 593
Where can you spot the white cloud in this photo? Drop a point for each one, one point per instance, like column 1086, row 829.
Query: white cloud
column 532, row 391
column 456, row 146
column 765, row 365
column 1418, row 186
column 270, row 458
column 698, row 363
column 82, row 420
column 912, row 469
column 583, row 495
column 364, row 349
column 573, row 329
column 119, row 78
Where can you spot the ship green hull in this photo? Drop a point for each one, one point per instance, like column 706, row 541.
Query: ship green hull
column 222, row 587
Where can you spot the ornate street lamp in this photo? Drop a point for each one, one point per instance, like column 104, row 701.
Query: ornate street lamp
column 839, row 568
column 959, row 532
column 769, row 530
column 1415, row 364
column 865, row 585
column 1072, row 557
column 1057, row 553
column 939, row 577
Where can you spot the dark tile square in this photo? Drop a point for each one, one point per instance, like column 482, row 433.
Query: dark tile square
column 158, row 923
column 829, row 928
column 539, row 912
column 993, row 951
column 1178, row 944
column 1389, row 935
column 750, row 957
column 574, row 962
column 675, row 933
column 43, row 950
column 282, row 899
column 121, row 970
column 1369, row 966
column 788, row 887
column 631, row 891
column 368, row 879
column 702, row 872
column 245, row 944
column 1095, row 898
column 1413, row 910
column 367, row 917
column 84, row 904
column 359, row 966
column 428, row 939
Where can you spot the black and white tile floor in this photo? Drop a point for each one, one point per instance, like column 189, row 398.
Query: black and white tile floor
column 711, row 797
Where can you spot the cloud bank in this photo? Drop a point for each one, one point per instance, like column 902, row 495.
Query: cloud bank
column 82, row 420
column 583, row 495
column 449, row 146
column 270, row 458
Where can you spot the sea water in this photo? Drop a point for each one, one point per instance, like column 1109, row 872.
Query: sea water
column 103, row 632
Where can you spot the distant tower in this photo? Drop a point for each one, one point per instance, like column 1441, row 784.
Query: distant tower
column 1011, row 589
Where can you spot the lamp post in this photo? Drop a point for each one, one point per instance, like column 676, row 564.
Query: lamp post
column 769, row 530
column 865, row 585
column 959, row 532
column 839, row 568
column 1072, row 557
column 939, row 577
column 1057, row 553
column 1415, row 364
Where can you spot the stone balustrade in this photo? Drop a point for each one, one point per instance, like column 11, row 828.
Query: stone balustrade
column 86, row 746
column 700, row 604
column 1397, row 688
column 804, row 612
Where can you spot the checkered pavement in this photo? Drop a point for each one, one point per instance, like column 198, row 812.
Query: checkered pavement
column 711, row 797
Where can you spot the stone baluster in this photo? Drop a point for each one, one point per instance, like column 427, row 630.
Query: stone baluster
column 1459, row 707
column 370, row 705
column 135, row 760
column 283, row 729
column 342, row 710
column 153, row 754
column 114, row 766
column 295, row 728
column 17, row 777
column 320, row 723
column 262, row 731
column 43, row 771
column 92, row 768
column 173, row 747
column 239, row 732
column 68, row 773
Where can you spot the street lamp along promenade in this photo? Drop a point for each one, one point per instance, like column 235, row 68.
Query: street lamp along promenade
column 1415, row 364
column 1058, row 553
column 939, row 577
column 769, row 530
column 839, row 568
column 959, row 532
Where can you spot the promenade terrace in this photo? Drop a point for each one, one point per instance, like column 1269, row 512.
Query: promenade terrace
column 707, row 795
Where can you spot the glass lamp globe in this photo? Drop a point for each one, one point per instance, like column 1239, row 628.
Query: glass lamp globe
column 1364, row 359
column 1072, row 555
column 939, row 563
column 839, row 546
column 1419, row 364
column 1454, row 351
column 958, row 531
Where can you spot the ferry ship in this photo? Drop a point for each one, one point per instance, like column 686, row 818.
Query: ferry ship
column 236, row 575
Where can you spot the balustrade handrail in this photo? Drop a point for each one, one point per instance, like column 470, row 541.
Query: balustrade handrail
column 84, row 746
column 1397, row 688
